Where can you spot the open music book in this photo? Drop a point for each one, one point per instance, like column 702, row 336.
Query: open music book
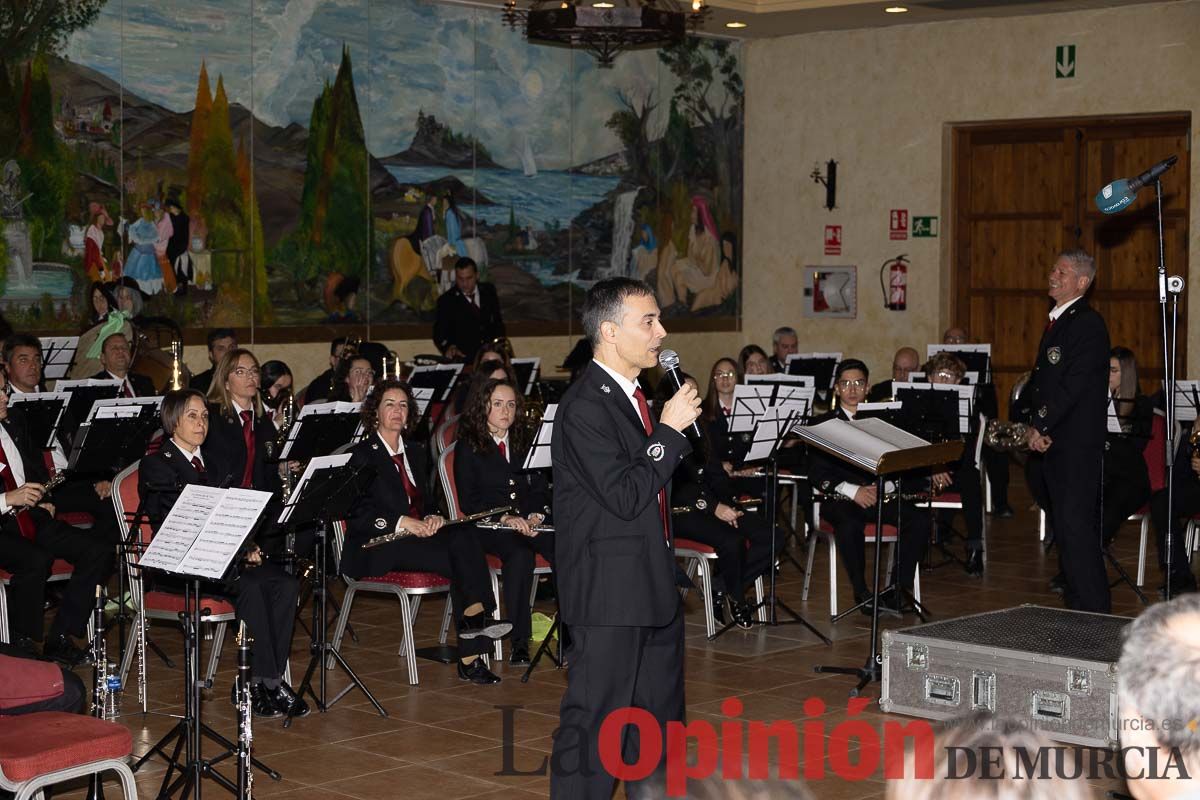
column 205, row 530
column 876, row 446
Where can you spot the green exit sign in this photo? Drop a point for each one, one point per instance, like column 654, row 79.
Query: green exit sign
column 925, row 227
column 1064, row 61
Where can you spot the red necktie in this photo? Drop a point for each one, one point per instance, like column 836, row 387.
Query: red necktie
column 25, row 521
column 248, row 437
column 1050, row 324
column 663, row 512
column 197, row 464
column 503, row 450
column 126, row 390
column 414, row 494
column 725, row 411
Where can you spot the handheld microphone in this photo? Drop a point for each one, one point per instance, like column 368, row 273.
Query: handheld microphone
column 1119, row 194
column 669, row 361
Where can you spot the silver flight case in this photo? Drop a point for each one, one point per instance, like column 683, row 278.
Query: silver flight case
column 1053, row 669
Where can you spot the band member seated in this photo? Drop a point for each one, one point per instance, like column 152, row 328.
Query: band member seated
column 1126, row 478
column 322, row 385
column 264, row 595
column 88, row 494
column 753, row 361
column 220, row 342
column 239, row 427
column 849, row 496
column 396, row 501
column 115, row 357
column 493, row 439
column 30, row 540
column 489, row 359
column 352, row 379
column 905, row 361
column 275, row 386
column 964, row 478
column 1185, row 504
column 742, row 539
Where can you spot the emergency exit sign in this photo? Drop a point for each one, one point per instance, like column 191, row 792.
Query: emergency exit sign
column 1064, row 61
column 925, row 227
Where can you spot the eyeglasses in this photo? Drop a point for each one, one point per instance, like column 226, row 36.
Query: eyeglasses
column 247, row 372
column 857, row 383
column 362, row 371
column 726, row 374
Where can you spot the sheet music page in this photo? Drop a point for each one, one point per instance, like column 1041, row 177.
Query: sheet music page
column 768, row 431
column 1114, row 422
column 314, row 464
column 891, row 405
column 181, row 528
column 235, row 515
column 899, row 439
column 749, row 402
column 538, row 456
column 863, row 441
column 1187, row 398
column 338, row 407
column 423, row 395
column 797, row 398
column 63, row 386
column 934, row 349
column 113, row 411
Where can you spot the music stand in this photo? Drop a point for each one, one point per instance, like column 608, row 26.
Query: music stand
column 84, row 393
column 439, row 377
column 526, row 371
column 538, row 457
column 319, row 429
column 770, row 427
column 977, row 357
column 898, row 459
column 819, row 365
column 181, row 551
column 58, row 353
column 327, row 490
column 1187, row 400
column 114, row 435
column 43, row 412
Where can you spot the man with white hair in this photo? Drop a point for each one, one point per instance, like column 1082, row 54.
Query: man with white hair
column 784, row 342
column 1160, row 701
column 1066, row 410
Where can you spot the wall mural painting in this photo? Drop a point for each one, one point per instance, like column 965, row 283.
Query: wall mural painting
column 324, row 161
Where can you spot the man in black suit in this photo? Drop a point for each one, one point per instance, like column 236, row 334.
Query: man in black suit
column 115, row 357
column 613, row 548
column 220, row 342
column 1067, row 409
column 906, row 361
column 468, row 315
column 321, row 387
column 784, row 342
column 31, row 539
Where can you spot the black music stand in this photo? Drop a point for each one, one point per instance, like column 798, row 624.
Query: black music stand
column 538, row 457
column 58, row 354
column 526, row 371
column 770, row 428
column 319, row 434
column 891, row 463
column 328, row 494
column 84, row 394
column 103, row 444
column 43, row 411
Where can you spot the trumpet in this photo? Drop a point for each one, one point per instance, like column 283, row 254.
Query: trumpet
column 392, row 366
column 245, row 715
column 1006, row 437
column 402, row 533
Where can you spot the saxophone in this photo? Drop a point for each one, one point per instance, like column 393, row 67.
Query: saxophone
column 245, row 715
column 288, row 404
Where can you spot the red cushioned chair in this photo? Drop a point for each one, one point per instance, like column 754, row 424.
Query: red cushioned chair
column 700, row 558
column 1155, row 456
column 445, row 435
column 953, row 500
column 59, row 571
column 823, row 530
column 155, row 604
column 42, row 749
column 495, row 565
column 407, row 587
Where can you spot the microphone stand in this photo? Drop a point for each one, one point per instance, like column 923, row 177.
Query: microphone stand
column 1168, row 285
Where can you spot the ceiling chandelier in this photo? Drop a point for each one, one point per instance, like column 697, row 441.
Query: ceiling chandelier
column 607, row 27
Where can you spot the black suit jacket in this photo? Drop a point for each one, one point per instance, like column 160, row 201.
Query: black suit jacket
column 202, row 381
column 825, row 471
column 383, row 504
column 880, row 392
column 486, row 480
column 460, row 323
column 614, row 567
column 142, row 385
column 1068, row 391
column 225, row 451
column 161, row 478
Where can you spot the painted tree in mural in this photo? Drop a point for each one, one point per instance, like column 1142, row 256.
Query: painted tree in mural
column 29, row 27
column 46, row 165
column 199, row 132
column 334, row 233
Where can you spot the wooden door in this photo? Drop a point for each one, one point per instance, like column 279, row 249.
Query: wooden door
column 1023, row 192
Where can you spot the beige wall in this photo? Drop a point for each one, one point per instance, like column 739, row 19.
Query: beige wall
column 880, row 102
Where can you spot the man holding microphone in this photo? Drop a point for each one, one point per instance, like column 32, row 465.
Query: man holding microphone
column 614, row 548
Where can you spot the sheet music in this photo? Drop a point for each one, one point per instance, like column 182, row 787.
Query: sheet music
column 62, row 398
column 339, row 407
column 1114, row 422
column 535, row 369
column 863, row 441
column 205, row 530
column 1187, row 398
column 424, row 396
column 891, row 405
column 121, row 407
column 934, row 349
column 314, row 464
column 57, row 353
column 538, row 456
column 771, row 426
column 432, row 370
column 749, row 401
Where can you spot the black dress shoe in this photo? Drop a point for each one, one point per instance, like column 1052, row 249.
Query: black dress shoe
column 1058, row 584
column 718, row 603
column 1003, row 512
column 477, row 672
column 742, row 614
column 287, row 701
column 974, row 565
column 483, row 625
column 29, row 647
column 262, row 702
column 519, row 657
column 65, row 652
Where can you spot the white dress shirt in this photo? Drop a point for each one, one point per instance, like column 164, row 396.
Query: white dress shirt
column 627, row 386
column 1058, row 311
column 13, row 456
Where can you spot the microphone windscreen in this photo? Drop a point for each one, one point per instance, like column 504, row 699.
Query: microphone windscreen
column 1114, row 197
column 668, row 359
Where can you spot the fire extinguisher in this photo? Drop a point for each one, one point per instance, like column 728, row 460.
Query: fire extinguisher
column 895, row 290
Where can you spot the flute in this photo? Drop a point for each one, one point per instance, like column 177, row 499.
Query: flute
column 375, row 541
column 497, row 526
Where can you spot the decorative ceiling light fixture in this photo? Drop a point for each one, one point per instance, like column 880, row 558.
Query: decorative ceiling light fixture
column 608, row 27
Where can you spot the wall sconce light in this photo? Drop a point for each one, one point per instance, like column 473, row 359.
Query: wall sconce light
column 829, row 180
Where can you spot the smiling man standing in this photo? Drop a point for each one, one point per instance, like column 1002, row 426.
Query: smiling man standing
column 613, row 548
column 1068, row 397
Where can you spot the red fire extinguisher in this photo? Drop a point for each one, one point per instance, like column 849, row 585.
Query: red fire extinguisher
column 895, row 290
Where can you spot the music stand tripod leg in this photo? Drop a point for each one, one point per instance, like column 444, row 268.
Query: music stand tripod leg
column 544, row 650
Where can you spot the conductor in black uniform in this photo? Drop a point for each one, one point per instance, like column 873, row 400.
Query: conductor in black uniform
column 468, row 315
column 613, row 547
column 1066, row 411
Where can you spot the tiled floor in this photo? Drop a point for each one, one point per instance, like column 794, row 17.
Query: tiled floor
column 443, row 739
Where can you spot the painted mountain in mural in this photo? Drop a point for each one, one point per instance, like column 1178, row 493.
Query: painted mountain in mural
column 435, row 144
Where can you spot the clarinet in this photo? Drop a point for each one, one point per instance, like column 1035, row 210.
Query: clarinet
column 245, row 716
column 384, row 538
column 106, row 683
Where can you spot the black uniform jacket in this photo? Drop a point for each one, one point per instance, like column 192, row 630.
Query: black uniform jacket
column 459, row 322
column 614, row 565
column 384, row 502
column 161, row 478
column 487, row 480
column 142, row 385
column 225, row 451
